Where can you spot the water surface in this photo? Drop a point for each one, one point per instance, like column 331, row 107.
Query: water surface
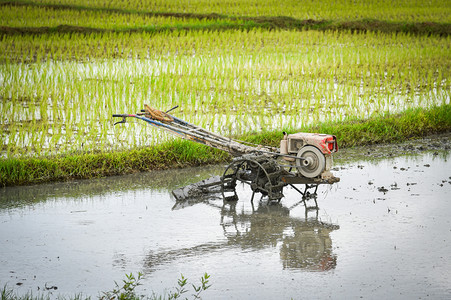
column 384, row 231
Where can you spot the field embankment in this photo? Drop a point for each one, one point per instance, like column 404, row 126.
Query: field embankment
column 387, row 129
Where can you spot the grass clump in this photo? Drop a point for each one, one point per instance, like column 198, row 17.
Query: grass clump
column 175, row 154
column 388, row 128
column 391, row 128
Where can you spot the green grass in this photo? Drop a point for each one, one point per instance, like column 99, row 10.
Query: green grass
column 412, row 123
column 390, row 128
column 175, row 154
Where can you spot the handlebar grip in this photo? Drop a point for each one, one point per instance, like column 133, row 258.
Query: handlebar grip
column 119, row 115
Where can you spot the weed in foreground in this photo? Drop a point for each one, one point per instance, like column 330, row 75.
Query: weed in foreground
column 126, row 291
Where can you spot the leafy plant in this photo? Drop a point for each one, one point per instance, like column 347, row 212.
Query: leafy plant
column 182, row 282
column 126, row 291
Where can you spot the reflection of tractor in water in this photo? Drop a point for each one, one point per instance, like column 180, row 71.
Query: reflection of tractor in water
column 303, row 158
column 304, row 243
column 309, row 248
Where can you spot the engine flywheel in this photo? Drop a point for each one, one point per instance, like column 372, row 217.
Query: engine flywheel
column 313, row 162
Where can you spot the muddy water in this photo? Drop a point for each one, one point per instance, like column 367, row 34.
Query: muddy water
column 384, row 231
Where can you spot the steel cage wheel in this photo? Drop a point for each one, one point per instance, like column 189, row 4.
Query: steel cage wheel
column 250, row 172
column 228, row 180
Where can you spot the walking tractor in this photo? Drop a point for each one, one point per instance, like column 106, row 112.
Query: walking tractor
column 303, row 158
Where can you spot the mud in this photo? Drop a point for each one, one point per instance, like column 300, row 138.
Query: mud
column 381, row 232
column 433, row 143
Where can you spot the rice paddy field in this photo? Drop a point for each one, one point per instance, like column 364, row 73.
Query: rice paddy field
column 233, row 67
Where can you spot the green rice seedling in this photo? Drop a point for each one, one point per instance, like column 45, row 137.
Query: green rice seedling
column 284, row 85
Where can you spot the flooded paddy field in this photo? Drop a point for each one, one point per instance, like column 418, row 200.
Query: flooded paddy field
column 383, row 231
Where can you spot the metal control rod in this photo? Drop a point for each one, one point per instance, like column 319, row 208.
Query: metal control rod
column 200, row 135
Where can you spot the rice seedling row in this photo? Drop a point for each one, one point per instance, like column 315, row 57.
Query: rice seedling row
column 404, row 10
column 58, row 92
column 32, row 16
